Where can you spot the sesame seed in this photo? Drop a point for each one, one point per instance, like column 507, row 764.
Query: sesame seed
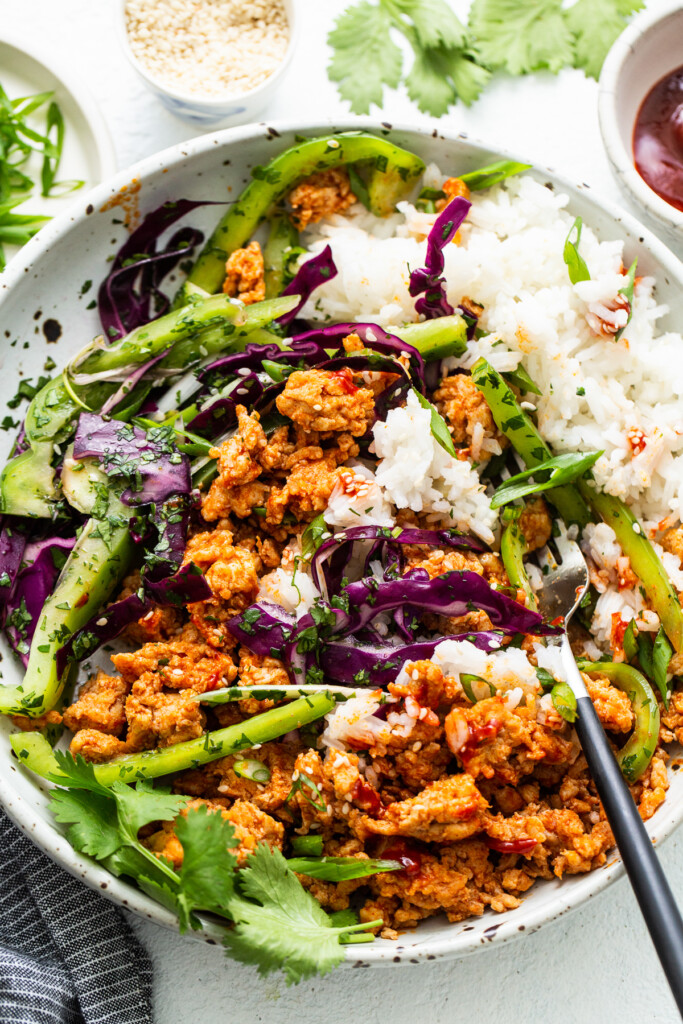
column 208, row 47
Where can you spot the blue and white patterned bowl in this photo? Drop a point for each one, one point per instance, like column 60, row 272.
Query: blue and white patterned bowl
column 209, row 112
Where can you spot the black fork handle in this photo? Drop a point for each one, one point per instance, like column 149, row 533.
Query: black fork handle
column 649, row 883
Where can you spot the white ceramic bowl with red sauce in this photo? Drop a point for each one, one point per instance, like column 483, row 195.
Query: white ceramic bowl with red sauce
column 648, row 50
column 45, row 283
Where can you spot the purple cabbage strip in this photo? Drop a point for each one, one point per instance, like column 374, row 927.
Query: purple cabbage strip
column 310, row 275
column 184, row 587
column 34, row 584
column 453, row 594
column 386, row 537
column 163, row 470
column 373, row 337
column 12, row 545
column 342, row 660
column 131, row 295
column 267, row 629
column 129, row 383
column 428, row 282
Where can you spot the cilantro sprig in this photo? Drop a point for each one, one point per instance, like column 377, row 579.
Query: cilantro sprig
column 452, row 61
column 276, row 923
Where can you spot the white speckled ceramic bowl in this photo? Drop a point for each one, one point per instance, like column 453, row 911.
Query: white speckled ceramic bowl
column 211, row 112
column 45, row 283
column 648, row 50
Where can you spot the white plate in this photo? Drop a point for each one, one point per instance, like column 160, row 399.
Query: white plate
column 88, row 153
column 47, row 278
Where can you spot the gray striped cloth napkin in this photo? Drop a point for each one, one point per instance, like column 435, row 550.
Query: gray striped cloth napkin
column 67, row 956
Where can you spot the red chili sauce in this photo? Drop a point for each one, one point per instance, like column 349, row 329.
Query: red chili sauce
column 658, row 139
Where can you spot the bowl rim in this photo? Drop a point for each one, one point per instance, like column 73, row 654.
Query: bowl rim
column 210, row 104
column 448, row 942
column 618, row 153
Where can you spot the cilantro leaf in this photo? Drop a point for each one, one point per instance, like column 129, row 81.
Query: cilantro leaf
column 365, row 58
column 91, row 819
column 436, row 24
column 139, row 805
column 278, row 924
column 662, row 653
column 207, row 875
column 521, row 37
column 576, row 264
column 428, row 85
column 468, row 76
column 595, row 24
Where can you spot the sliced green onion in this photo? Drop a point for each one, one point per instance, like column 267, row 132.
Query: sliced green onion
column 438, row 425
column 492, row 174
column 576, row 265
column 255, row 771
column 562, row 469
column 310, row 846
column 468, row 683
column 564, row 701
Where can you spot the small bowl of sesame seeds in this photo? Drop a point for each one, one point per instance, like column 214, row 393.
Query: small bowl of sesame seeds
column 212, row 62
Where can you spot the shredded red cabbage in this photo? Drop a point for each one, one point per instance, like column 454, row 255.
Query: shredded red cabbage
column 266, row 628
column 333, row 555
column 349, row 662
column 310, row 275
column 12, row 545
column 373, row 337
column 428, row 281
column 131, row 295
column 184, row 587
column 150, row 460
column 43, row 561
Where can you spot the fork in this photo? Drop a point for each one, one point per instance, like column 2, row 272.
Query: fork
column 565, row 584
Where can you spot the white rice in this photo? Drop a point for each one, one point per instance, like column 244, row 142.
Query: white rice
column 597, row 393
column 507, row 670
column 295, row 591
column 357, row 500
column 415, row 472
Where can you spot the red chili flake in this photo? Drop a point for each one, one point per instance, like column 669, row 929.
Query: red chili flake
column 82, row 600
column 619, row 628
column 559, row 621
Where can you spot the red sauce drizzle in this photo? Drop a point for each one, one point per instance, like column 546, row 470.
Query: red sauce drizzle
column 365, row 796
column 477, row 735
column 658, row 139
column 511, row 845
column 345, row 381
column 405, row 854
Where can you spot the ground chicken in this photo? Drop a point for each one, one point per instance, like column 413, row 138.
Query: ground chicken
column 446, row 811
column 156, row 624
column 327, row 400
column 245, row 275
column 454, row 188
column 183, row 663
column 468, row 416
column 100, row 706
column 97, row 746
column 306, row 492
column 156, row 718
column 612, row 705
column 502, row 743
column 320, row 196
column 535, row 523
column 219, row 780
column 238, row 469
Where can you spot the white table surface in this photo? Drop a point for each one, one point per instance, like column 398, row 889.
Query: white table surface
column 597, row 964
